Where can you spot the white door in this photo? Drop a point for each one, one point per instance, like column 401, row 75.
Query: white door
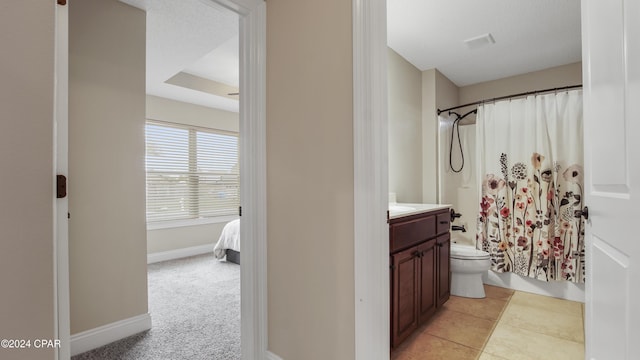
column 611, row 68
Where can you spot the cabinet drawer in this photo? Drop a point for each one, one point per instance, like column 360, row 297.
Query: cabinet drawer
column 444, row 222
column 412, row 232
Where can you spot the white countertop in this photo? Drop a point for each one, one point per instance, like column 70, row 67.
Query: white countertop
column 397, row 210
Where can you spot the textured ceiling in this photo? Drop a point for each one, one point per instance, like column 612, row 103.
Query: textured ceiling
column 196, row 37
column 529, row 35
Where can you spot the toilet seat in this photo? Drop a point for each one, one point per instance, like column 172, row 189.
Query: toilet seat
column 464, row 252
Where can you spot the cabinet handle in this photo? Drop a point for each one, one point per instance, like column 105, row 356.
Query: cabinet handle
column 416, row 254
column 444, row 222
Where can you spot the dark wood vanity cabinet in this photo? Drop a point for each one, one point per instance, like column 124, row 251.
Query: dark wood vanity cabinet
column 419, row 263
column 428, row 269
column 404, row 294
column 444, row 268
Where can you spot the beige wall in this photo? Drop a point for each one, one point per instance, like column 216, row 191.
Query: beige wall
column 438, row 92
column 180, row 112
column 447, row 93
column 26, row 175
column 159, row 240
column 429, row 138
column 565, row 75
column 405, row 126
column 158, row 108
column 107, row 234
column 310, row 179
column 446, row 97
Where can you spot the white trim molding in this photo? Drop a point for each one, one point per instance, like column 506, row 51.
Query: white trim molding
column 179, row 253
column 558, row 289
column 61, row 167
column 271, row 356
column 172, row 224
column 371, row 232
column 106, row 334
column 253, row 188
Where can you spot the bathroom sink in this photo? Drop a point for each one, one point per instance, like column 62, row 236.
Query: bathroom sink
column 400, row 208
column 406, row 209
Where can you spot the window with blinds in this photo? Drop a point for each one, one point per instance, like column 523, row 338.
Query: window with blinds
column 192, row 173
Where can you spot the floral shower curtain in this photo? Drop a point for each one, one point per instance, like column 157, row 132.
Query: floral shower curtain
column 530, row 160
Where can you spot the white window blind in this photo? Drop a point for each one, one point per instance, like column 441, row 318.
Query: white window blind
column 192, row 172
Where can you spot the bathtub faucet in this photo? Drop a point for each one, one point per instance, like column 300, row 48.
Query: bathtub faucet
column 454, row 214
column 458, row 228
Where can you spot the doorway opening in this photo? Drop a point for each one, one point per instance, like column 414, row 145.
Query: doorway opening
column 249, row 17
column 439, row 71
column 193, row 177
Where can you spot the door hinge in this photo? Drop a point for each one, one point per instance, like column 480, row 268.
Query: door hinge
column 61, row 186
column 62, row 2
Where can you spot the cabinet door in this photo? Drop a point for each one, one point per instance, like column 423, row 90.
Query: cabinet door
column 443, row 222
column 427, row 280
column 405, row 294
column 444, row 274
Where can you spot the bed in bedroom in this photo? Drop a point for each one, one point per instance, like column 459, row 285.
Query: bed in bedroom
column 228, row 244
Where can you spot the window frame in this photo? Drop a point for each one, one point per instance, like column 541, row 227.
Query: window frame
column 191, row 164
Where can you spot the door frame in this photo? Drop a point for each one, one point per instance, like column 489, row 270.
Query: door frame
column 371, row 177
column 61, row 167
column 253, row 189
column 253, row 287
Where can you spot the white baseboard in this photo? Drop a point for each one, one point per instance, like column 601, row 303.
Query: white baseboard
column 179, row 253
column 106, row 334
column 272, row 356
column 558, row 289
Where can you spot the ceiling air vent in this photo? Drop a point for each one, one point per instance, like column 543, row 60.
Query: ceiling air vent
column 480, row 41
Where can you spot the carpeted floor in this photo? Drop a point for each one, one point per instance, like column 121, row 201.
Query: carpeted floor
column 195, row 310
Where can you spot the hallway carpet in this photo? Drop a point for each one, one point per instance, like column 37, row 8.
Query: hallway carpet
column 195, row 309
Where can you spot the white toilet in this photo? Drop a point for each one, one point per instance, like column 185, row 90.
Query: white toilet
column 467, row 266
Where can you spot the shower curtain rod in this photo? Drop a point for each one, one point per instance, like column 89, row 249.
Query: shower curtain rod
column 511, row 96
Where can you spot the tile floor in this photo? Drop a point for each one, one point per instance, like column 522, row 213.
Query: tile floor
column 506, row 325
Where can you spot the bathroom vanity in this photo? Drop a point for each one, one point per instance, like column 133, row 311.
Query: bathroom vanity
column 419, row 245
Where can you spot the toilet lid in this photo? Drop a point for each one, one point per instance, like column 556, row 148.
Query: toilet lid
column 467, row 252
